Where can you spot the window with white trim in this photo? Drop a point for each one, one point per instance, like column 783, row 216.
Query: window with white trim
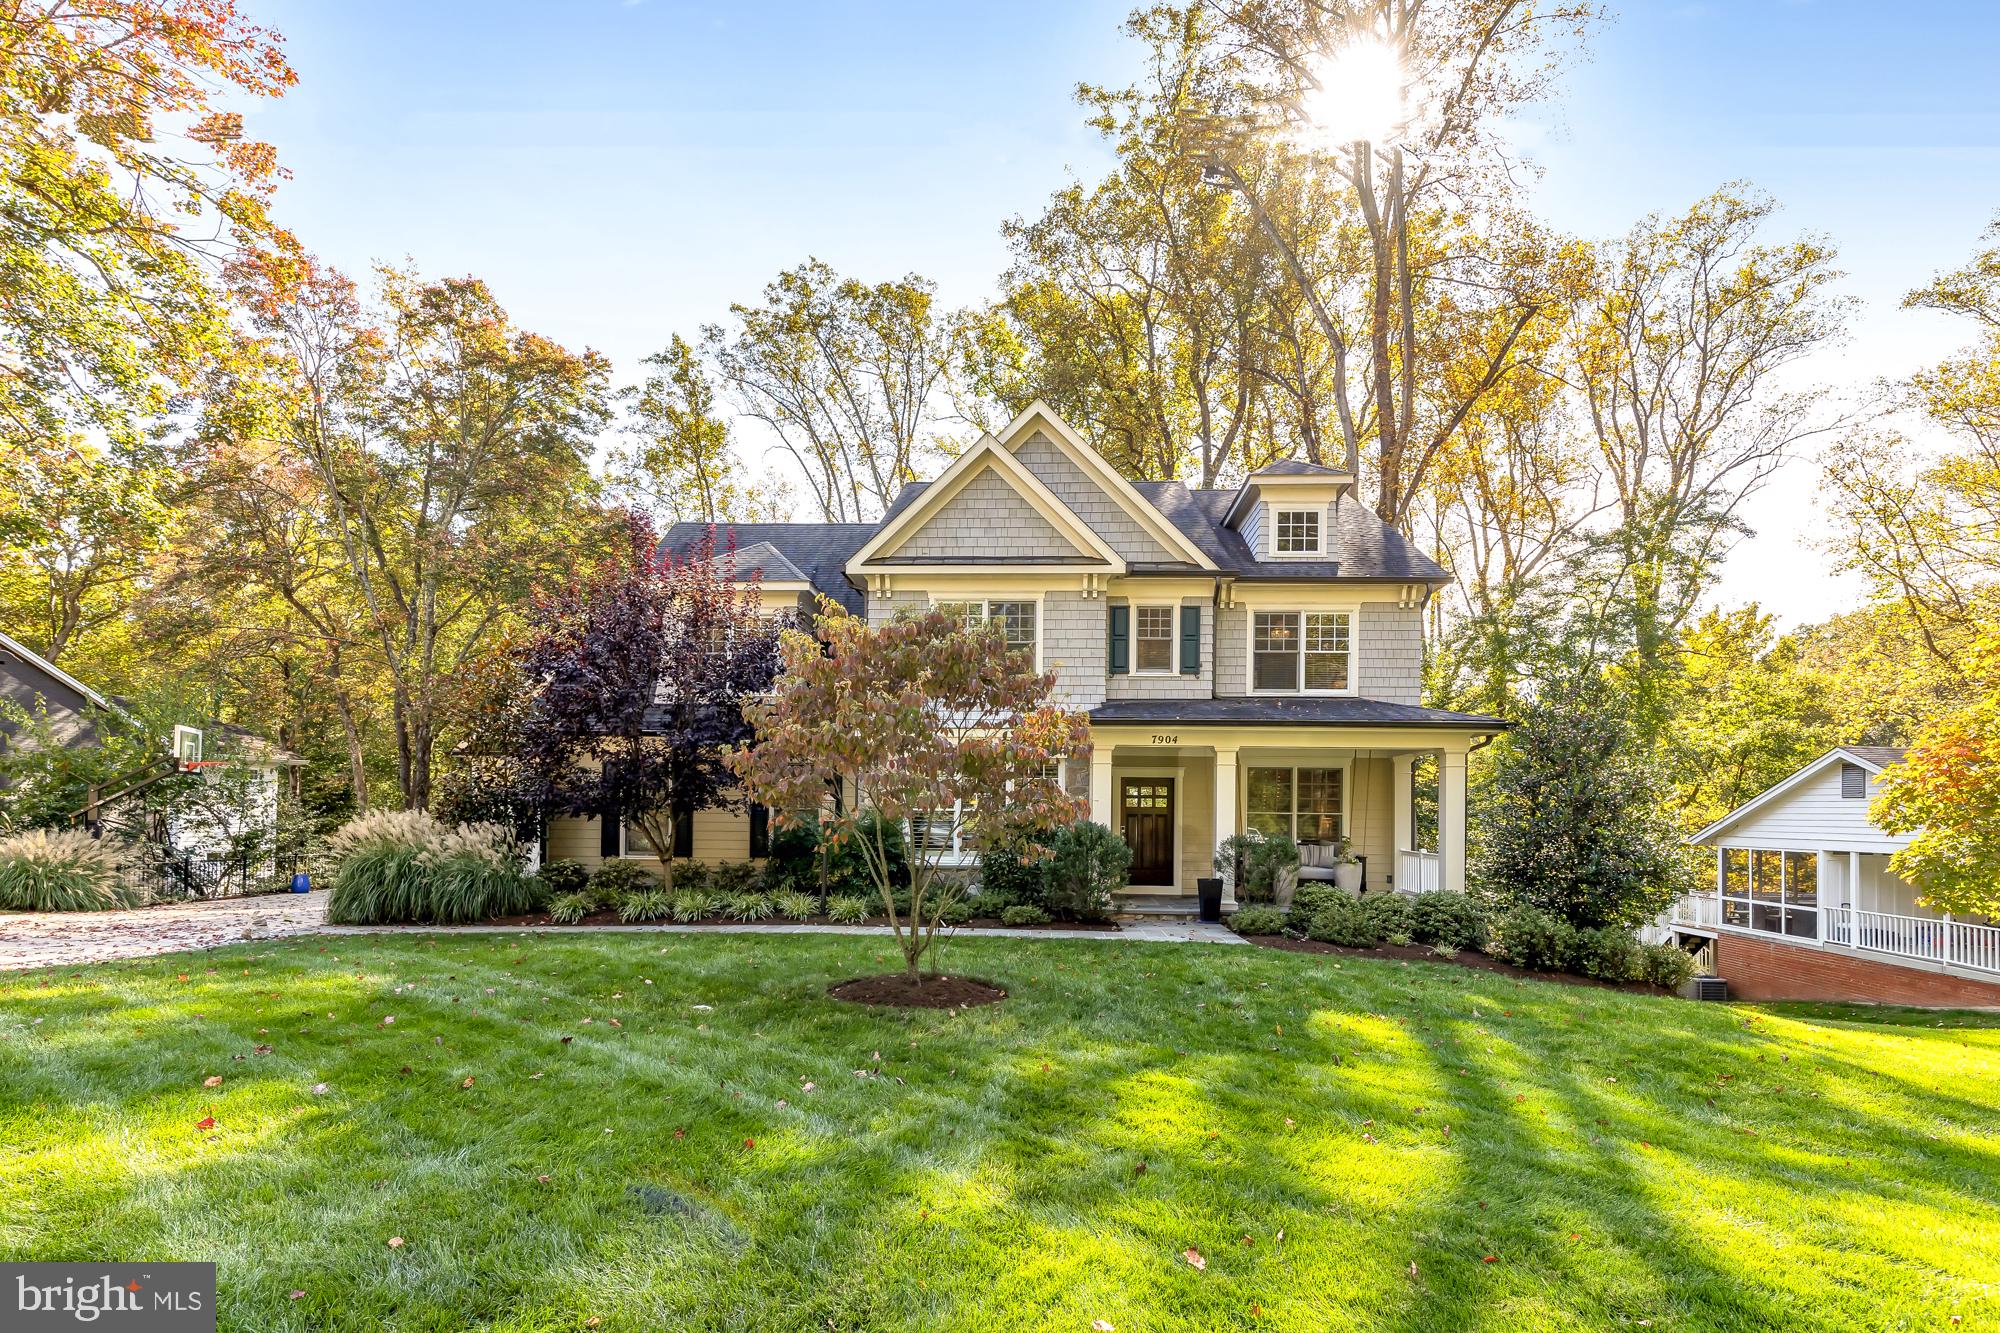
column 1773, row 891
column 1301, row 652
column 1295, row 531
column 1014, row 620
column 1153, row 638
column 943, row 832
column 1305, row 804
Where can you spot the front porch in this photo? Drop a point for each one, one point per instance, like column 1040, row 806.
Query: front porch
column 1174, row 791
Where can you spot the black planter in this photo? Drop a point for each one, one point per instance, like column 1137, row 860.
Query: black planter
column 1209, row 893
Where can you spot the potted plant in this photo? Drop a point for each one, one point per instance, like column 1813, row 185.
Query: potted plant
column 1263, row 867
column 1347, row 868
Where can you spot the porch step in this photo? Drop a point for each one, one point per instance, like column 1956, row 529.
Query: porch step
column 1184, row 906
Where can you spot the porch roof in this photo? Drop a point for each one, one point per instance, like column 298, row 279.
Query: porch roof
column 1298, row 712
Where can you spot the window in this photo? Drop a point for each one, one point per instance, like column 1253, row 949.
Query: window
column 1305, row 804
column 1290, row 647
column 1153, row 626
column 1776, row 892
column 1296, row 531
column 1014, row 620
column 942, row 831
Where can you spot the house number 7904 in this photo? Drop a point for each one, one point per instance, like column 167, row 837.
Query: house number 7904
column 1166, row 738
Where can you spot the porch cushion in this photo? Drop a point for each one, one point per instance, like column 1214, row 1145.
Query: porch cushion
column 1318, row 856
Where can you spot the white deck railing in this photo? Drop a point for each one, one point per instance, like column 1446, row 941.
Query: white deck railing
column 1417, row 872
column 1926, row 939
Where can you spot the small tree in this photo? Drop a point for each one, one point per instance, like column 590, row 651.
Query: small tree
column 1572, row 817
column 635, row 682
column 1947, row 792
column 920, row 722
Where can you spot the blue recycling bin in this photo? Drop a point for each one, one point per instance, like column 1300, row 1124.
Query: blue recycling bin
column 302, row 882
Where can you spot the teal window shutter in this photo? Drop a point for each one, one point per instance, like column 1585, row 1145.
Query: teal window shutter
column 1121, row 640
column 1190, row 641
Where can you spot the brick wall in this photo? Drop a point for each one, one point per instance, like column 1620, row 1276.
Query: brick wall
column 1773, row 970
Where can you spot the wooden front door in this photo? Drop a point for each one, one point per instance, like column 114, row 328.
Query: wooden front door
column 1146, row 813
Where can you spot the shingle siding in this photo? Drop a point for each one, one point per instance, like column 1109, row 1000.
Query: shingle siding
column 882, row 610
column 1232, row 639
column 1134, row 685
column 987, row 518
column 1073, row 646
column 1389, row 653
column 1105, row 516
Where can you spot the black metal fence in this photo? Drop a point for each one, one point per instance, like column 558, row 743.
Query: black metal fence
column 168, row 874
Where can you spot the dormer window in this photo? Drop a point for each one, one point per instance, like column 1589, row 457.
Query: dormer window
column 1296, row 531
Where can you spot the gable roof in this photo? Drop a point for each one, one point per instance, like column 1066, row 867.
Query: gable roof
column 1874, row 758
column 819, row 551
column 987, row 454
column 28, row 657
column 1295, row 467
column 761, row 561
column 1109, row 479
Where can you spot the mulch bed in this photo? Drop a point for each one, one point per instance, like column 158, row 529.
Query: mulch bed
column 934, row 992
column 540, row 921
column 1417, row 953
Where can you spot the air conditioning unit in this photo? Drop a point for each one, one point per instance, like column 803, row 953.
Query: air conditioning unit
column 1706, row 988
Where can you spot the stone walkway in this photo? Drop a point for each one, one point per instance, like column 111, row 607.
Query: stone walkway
column 64, row 939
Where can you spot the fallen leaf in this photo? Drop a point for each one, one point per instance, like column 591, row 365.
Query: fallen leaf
column 320, row 1089
column 1490, row 1259
column 212, row 1081
column 749, row 1143
column 297, row 1295
column 541, row 1180
column 468, row 1082
column 206, row 1122
column 1193, row 1256
column 1103, row 1326
column 395, row 1242
column 1413, row 1269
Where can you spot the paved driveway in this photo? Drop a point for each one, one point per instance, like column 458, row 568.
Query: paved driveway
column 60, row 939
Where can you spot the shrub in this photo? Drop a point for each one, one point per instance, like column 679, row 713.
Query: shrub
column 1453, row 920
column 64, row 871
column 798, row 906
column 645, row 905
column 747, row 906
column 1608, row 953
column 733, row 877
column 618, row 879
column 1023, row 914
column 1014, row 872
column 403, row 865
column 793, row 864
column 1308, row 900
column 1531, row 938
column 1343, row 921
column 956, row 912
column 1087, row 863
column 563, row 877
column 847, row 873
column 692, row 904
column 1257, row 921
column 1666, row 965
column 849, row 909
column 1390, row 914
column 1254, row 861
column 566, row 909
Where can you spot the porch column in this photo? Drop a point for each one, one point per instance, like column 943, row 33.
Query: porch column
column 1854, row 900
column 1402, row 810
column 1451, row 821
column 1225, row 812
column 1100, row 786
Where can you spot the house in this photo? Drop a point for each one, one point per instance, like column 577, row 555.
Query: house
column 1804, row 905
column 235, row 808
column 1250, row 658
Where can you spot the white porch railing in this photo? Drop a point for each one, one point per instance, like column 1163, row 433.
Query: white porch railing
column 1417, row 872
column 1926, row 939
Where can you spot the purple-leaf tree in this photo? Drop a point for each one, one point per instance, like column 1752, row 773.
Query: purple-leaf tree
column 923, row 723
column 635, row 683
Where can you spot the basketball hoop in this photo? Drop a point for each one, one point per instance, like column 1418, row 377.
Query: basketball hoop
column 187, row 747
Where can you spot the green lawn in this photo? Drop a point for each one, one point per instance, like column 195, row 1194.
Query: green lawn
column 1347, row 1144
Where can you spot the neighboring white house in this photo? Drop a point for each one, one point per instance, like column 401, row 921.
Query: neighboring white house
column 1804, row 866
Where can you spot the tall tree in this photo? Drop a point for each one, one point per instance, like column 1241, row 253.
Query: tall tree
column 450, row 454
column 679, row 463
column 850, row 378
column 1675, row 352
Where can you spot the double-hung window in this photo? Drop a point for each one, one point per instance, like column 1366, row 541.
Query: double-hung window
column 1295, row 651
column 1305, row 804
column 1153, row 631
column 1296, row 531
column 1013, row 620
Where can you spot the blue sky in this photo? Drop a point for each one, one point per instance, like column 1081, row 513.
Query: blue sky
column 622, row 171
